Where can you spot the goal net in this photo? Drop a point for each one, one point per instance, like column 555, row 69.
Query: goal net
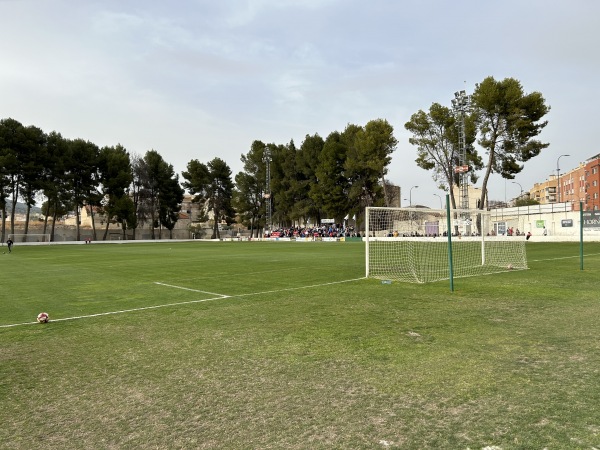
column 412, row 245
column 30, row 238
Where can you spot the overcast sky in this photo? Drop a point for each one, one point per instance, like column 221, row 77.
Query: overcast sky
column 205, row 78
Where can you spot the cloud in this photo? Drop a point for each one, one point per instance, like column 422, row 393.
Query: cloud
column 199, row 78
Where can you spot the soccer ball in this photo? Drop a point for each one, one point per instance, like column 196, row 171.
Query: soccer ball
column 43, row 317
column 510, row 267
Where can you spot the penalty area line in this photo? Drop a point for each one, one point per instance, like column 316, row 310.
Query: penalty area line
column 300, row 287
column 189, row 289
column 189, row 302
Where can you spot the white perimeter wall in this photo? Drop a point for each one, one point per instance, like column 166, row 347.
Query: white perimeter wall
column 552, row 221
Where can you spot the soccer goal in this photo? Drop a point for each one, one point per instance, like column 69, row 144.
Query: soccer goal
column 421, row 245
column 30, row 238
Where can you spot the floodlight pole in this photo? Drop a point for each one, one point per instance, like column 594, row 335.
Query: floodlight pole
column 460, row 104
column 438, row 196
column 267, row 194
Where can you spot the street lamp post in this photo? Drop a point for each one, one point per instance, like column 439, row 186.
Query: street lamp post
column 439, row 196
column 410, row 195
column 521, row 195
column 558, row 178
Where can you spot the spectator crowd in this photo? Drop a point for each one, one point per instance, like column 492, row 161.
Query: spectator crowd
column 330, row 230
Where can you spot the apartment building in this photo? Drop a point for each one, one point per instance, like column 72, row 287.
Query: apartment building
column 544, row 192
column 581, row 184
column 474, row 194
column 592, row 183
column 572, row 187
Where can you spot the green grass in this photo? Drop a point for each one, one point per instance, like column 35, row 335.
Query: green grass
column 291, row 358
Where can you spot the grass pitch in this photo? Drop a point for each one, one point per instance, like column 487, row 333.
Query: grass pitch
column 284, row 345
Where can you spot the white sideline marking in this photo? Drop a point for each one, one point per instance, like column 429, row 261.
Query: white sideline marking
column 116, row 312
column 564, row 257
column 220, row 297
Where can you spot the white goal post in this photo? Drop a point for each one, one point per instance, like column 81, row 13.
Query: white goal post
column 30, row 238
column 421, row 245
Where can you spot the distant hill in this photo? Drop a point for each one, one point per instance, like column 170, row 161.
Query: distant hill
column 22, row 208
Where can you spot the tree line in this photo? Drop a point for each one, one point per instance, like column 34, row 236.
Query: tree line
column 74, row 173
column 322, row 178
column 333, row 177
